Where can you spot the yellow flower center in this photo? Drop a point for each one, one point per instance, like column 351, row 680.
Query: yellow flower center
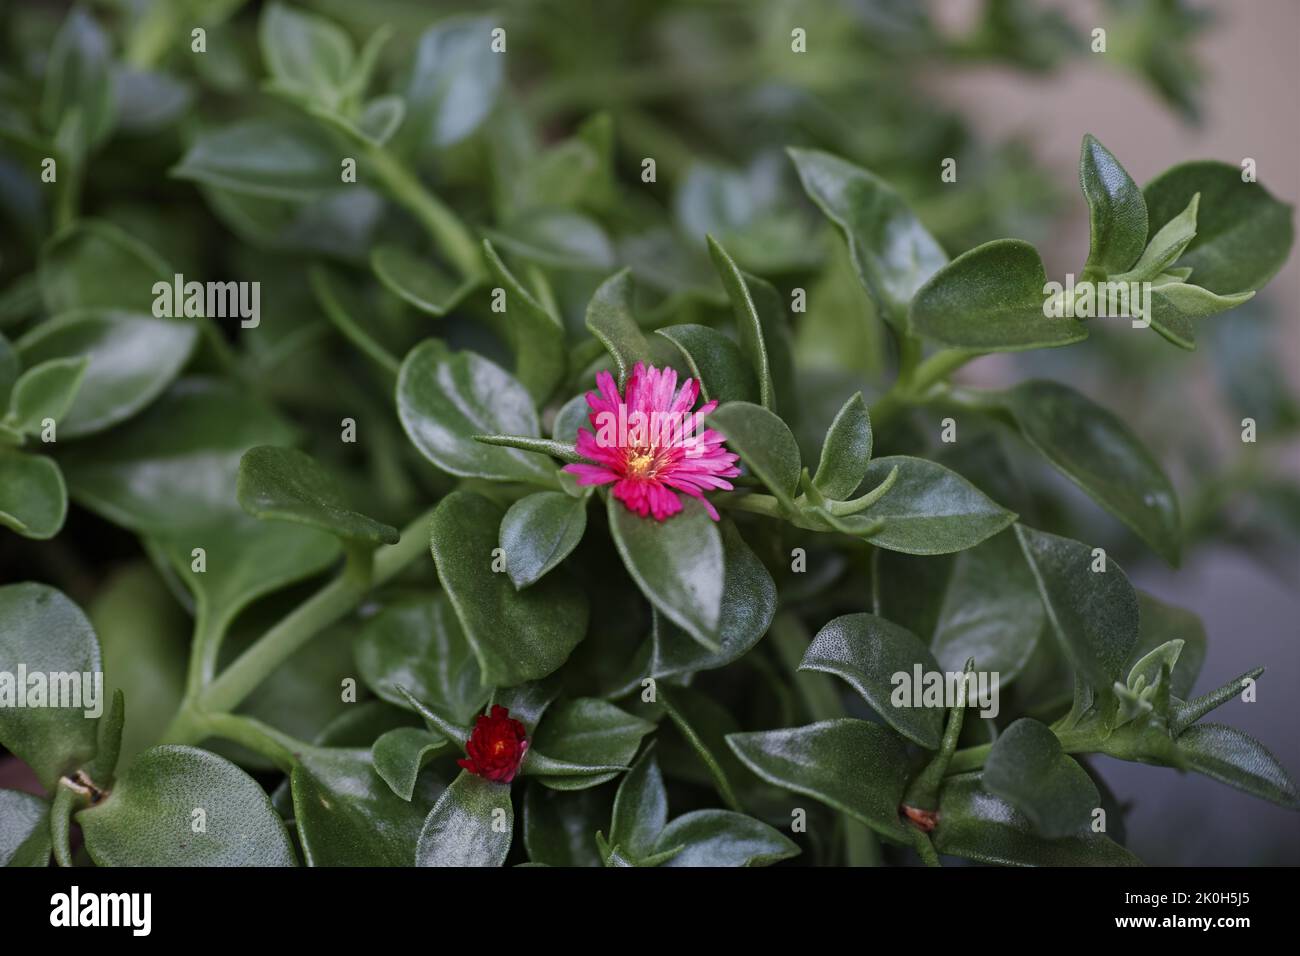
column 640, row 465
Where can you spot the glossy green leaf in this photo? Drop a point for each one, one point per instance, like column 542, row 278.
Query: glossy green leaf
column 1166, row 245
column 24, row 829
column 560, row 825
column 980, row 826
column 716, row 362
column 1095, row 449
column 1028, row 769
column 846, row 450
column 678, row 564
column 585, row 733
column 1160, row 623
column 556, row 238
column 992, row 299
column 516, row 635
column 445, row 398
column 45, row 391
column 764, row 443
column 610, row 319
column 1185, row 713
column 1093, row 613
column 132, row 359
column 535, row 333
column 1243, row 234
column 153, row 815
column 704, row 725
column 306, row 55
column 1117, row 213
column 175, row 466
column 417, row 643
column 724, row 838
column 539, row 531
column 400, row 754
column 748, row 604
column 1239, row 760
column 33, row 498
column 264, row 158
column 44, row 635
column 930, row 509
column 854, row 766
column 77, row 82
column 470, row 825
column 346, row 815
column 95, row 265
column 892, row 252
column 453, row 82
column 418, row 280
column 1175, row 304
column 640, row 808
column 284, row 484
column 867, row 651
column 757, row 308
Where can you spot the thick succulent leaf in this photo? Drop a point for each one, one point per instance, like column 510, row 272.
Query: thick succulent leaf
column 24, row 829
column 678, row 564
column 445, row 398
column 1095, row 449
column 43, row 633
column 610, row 320
column 867, row 651
column 722, row 370
column 854, row 766
column 640, row 808
column 95, row 265
column 1093, row 613
column 536, row 334
column 556, row 238
column 585, row 733
column 560, row 825
column 757, row 308
column 704, row 724
column 516, row 635
column 723, row 838
column 1117, row 213
column 285, row 484
column 846, row 450
column 1028, row 768
column 307, row 56
column 764, row 443
column 980, row 826
column 1239, row 760
column 470, row 825
column 453, row 82
column 45, row 391
column 418, row 280
column 1175, row 304
column 153, row 818
column 539, row 531
column 401, row 753
column 1160, row 623
column 992, row 299
column 284, row 159
column 892, row 252
column 33, row 497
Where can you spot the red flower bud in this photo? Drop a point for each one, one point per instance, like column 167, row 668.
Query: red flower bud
column 496, row 747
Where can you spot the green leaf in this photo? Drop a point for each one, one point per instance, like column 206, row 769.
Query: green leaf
column 1117, row 213
column 854, row 766
column 24, row 829
column 757, row 308
column 10, row 368
column 132, row 359
column 640, row 808
column 109, row 741
column 175, row 466
column 77, row 82
column 1028, row 769
column 716, row 363
column 453, row 83
column 445, row 398
column 1175, row 304
column 535, row 333
column 678, row 565
column 560, row 825
column 1160, row 623
column 610, row 319
column 892, row 252
column 538, row 532
column 556, row 238
column 723, row 838
column 992, row 299
column 95, row 265
column 150, row 817
column 417, row 643
column 306, row 55
column 930, row 509
column 470, row 825
column 283, row 158
column 347, row 815
column 867, row 651
column 418, row 280
column 704, row 724
column 400, row 754
column 584, row 733
column 33, row 498
column 1240, row 761
column 44, row 391
column 1188, row 712
column 1093, row 613
column 766, row 445
column 43, row 633
column 1165, row 246
column 846, row 450
column 1243, row 234
column 516, row 635
column 284, row 484
column 748, row 604
column 1095, row 449
column 979, row 826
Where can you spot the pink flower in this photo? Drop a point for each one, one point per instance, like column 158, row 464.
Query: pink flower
column 652, row 443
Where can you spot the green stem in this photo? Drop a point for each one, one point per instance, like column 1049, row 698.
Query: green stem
column 319, row 611
column 278, row 747
column 916, row 378
column 209, row 629
column 451, row 235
